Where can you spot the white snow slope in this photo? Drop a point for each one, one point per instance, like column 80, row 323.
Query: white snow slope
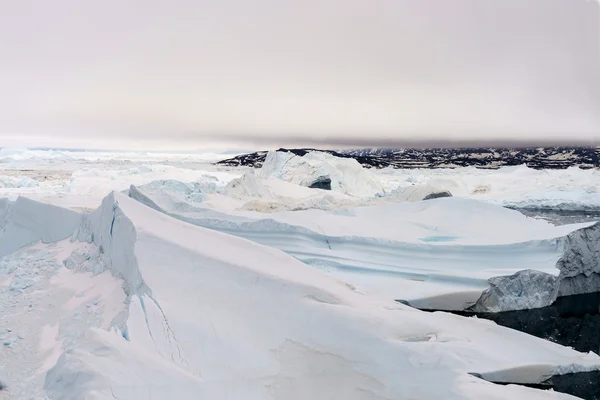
column 436, row 254
column 202, row 314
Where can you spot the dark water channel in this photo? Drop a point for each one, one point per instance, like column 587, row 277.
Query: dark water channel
column 584, row 385
column 559, row 217
column 572, row 321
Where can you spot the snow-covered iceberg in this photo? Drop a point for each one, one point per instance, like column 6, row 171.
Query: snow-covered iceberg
column 319, row 170
column 247, row 186
column 204, row 314
column 445, row 253
column 23, row 222
column 81, row 180
column 572, row 189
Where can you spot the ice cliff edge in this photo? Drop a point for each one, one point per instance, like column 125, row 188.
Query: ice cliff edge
column 578, row 273
column 115, row 235
column 24, row 222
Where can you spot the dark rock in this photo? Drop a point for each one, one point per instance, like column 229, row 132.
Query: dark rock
column 2, row 386
column 489, row 158
column 322, row 182
column 438, row 195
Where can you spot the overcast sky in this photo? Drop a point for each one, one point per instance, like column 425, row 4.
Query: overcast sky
column 192, row 73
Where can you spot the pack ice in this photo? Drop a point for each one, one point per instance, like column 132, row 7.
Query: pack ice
column 130, row 303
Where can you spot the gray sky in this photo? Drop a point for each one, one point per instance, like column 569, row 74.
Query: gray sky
column 193, row 73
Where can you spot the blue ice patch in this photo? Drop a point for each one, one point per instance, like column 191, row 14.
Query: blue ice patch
column 438, row 239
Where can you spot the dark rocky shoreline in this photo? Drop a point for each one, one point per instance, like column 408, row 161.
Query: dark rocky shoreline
column 488, row 158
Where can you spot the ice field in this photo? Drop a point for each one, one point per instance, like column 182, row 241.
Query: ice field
column 148, row 275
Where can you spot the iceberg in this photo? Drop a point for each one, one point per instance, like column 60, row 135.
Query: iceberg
column 247, row 186
column 445, row 253
column 207, row 314
column 322, row 170
column 24, row 222
column 81, row 180
column 519, row 187
column 296, row 280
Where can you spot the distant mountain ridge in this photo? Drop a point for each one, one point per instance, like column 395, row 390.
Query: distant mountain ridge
column 490, row 158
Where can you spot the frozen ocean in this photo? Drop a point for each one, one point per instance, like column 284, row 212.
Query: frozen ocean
column 129, row 275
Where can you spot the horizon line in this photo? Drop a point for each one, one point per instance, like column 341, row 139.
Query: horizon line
column 266, row 145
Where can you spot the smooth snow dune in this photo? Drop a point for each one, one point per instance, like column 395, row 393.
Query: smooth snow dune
column 421, row 252
column 216, row 316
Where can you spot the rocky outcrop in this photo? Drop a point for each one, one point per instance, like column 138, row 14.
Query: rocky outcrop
column 533, row 157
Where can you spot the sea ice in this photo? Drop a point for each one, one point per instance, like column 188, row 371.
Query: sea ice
column 128, row 302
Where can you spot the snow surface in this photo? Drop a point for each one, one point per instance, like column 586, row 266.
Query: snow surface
column 46, row 308
column 135, row 302
column 518, row 187
column 80, row 180
column 416, row 251
column 268, row 326
column 148, row 306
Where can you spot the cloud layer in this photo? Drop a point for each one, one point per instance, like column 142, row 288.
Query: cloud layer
column 175, row 74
